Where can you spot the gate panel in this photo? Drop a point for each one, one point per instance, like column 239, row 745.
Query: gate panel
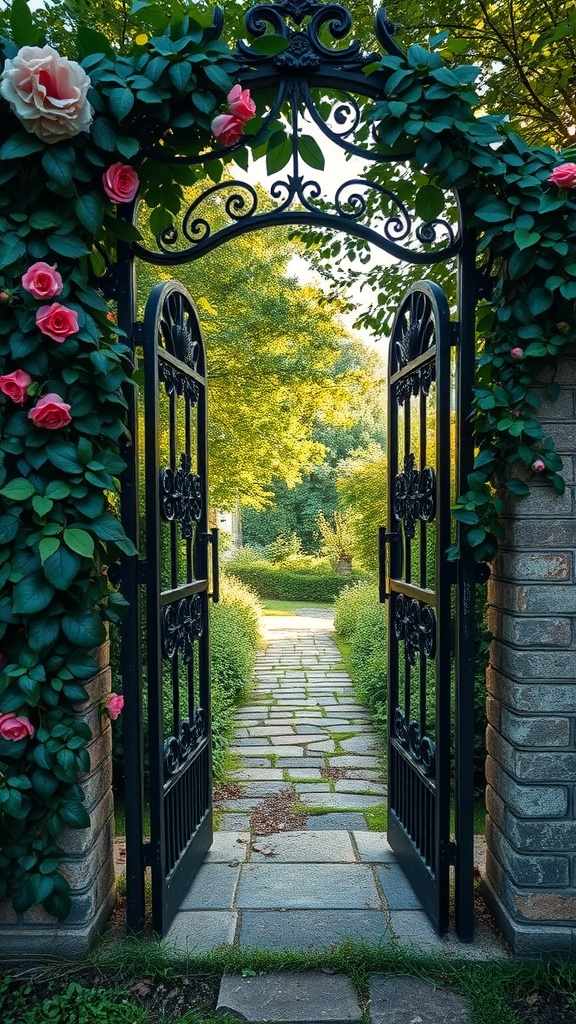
column 417, row 586
column 175, row 575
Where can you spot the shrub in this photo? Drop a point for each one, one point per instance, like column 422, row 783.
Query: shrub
column 298, row 578
column 361, row 622
column 234, row 639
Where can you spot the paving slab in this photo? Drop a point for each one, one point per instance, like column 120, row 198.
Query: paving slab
column 407, row 1000
column 270, row 886
column 311, row 929
column 329, row 822
column 354, row 761
column 310, row 847
column 343, row 801
column 292, row 751
column 304, row 773
column 257, row 774
column 235, row 823
column 366, row 743
column 397, row 889
column 227, row 846
column 374, row 848
column 290, row 998
column 213, row 888
column 199, row 931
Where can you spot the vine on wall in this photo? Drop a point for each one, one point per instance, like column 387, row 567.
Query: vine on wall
column 74, row 140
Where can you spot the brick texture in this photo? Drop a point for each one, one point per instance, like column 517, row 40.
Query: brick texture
column 89, row 864
column 531, row 681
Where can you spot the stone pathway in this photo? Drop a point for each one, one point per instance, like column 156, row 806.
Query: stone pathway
column 333, row 877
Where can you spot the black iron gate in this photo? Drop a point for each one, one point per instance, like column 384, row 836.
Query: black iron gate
column 174, row 581
column 426, row 696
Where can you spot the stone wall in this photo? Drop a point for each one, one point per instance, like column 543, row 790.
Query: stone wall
column 531, row 738
column 89, row 864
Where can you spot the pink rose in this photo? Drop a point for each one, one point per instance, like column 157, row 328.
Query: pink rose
column 240, row 104
column 42, row 281
column 227, row 129
column 564, row 176
column 517, row 414
column 14, row 728
column 47, row 93
column 517, row 353
column 50, row 412
column 16, row 385
column 120, row 183
column 57, row 321
column 115, row 703
column 538, row 466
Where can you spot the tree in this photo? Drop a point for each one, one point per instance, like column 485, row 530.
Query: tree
column 362, row 490
column 272, row 344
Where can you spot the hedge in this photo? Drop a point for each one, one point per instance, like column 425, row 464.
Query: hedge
column 277, row 582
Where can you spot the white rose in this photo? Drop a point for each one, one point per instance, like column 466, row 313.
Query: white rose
column 47, row 93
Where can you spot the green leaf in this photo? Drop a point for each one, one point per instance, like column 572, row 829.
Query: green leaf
column 42, row 633
column 44, row 783
column 82, row 665
column 90, row 212
column 62, row 567
column 32, row 594
column 493, row 211
column 59, row 164
column 42, row 506
column 19, row 145
column 429, row 202
column 58, row 904
column 79, row 541
column 19, row 489
column 24, row 32
column 68, row 245
column 84, row 629
column 525, row 239
column 47, row 547
column 310, row 152
column 127, row 146
column 180, row 75
column 121, row 102
column 103, row 134
column 218, row 77
column 278, row 154
column 518, row 487
column 75, row 815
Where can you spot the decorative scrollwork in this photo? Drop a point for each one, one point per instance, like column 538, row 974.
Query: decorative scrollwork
column 414, row 496
column 182, row 623
column 178, row 383
column 415, row 624
column 181, row 496
column 178, row 749
column 304, row 48
column 179, row 330
column 418, row 382
column 421, row 748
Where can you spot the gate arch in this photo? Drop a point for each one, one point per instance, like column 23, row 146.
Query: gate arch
column 369, row 207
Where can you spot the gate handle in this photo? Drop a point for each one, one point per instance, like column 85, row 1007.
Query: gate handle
column 384, row 538
column 213, row 539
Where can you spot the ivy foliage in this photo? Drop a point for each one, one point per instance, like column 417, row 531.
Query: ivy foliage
column 525, row 229
column 58, row 488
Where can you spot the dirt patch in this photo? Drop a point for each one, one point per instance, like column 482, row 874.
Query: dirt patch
column 275, row 814
column 546, row 1007
column 327, row 772
column 223, row 791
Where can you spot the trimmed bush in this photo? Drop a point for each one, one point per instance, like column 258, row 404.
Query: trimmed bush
column 234, row 639
column 287, row 581
column 361, row 623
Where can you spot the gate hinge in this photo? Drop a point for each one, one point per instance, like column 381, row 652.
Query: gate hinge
column 447, row 852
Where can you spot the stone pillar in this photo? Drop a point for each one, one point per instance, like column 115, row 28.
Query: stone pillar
column 89, row 863
column 531, row 737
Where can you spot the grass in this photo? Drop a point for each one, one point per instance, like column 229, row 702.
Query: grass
column 376, row 817
column 492, row 988
column 271, row 607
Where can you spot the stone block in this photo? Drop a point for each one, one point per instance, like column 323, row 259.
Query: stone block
column 555, row 906
column 495, row 806
column 556, row 698
column 532, row 664
column 406, row 1000
column 199, row 931
column 543, row 766
column 290, row 998
column 543, row 501
column 563, row 435
column 544, row 836
column 527, row 801
column 398, row 891
column 560, row 408
column 528, row 731
column 85, row 904
column 213, row 888
column 98, row 687
column 533, row 598
column 533, row 941
column 81, row 871
column 534, row 631
column 273, row 886
column 308, row 847
column 548, row 566
column 501, row 750
column 540, row 533
column 79, row 841
column 310, row 929
column 527, row 869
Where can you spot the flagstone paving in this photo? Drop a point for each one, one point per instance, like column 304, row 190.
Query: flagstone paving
column 303, row 740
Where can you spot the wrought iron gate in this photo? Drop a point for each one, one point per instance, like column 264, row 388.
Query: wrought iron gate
column 417, row 581
column 174, row 579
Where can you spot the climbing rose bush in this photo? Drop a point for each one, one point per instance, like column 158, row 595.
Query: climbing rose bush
column 15, row 727
column 47, row 93
column 16, row 385
column 114, row 705
column 120, row 183
column 50, row 412
column 564, row 176
column 42, row 281
column 57, row 322
column 229, row 128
